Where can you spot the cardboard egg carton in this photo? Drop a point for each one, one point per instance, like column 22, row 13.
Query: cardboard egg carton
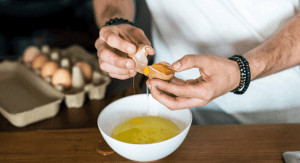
column 66, row 58
column 26, row 97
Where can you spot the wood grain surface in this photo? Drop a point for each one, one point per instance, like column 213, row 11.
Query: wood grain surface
column 215, row 143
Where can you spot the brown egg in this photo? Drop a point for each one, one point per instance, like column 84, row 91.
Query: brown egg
column 30, row 54
column 161, row 70
column 86, row 70
column 62, row 77
column 49, row 69
column 140, row 57
column 39, row 62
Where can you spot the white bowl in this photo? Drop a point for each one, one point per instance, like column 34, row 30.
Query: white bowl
column 137, row 105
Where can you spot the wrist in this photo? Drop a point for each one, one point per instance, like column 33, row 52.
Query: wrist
column 256, row 64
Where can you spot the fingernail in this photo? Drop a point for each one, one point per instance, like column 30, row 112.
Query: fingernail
column 131, row 71
column 176, row 65
column 128, row 65
column 130, row 50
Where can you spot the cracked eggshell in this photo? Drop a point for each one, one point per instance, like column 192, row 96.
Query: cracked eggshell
column 140, row 57
column 39, row 62
column 62, row 77
column 161, row 70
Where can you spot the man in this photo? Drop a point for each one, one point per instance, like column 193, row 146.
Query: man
column 201, row 35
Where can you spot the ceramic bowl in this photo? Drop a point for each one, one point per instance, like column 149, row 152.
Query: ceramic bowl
column 140, row 105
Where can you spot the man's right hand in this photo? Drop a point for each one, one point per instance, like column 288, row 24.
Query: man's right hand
column 114, row 44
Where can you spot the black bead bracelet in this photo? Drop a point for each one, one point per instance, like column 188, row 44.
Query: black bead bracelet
column 117, row 21
column 245, row 74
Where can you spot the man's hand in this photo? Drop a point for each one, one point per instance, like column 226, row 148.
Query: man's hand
column 115, row 42
column 219, row 75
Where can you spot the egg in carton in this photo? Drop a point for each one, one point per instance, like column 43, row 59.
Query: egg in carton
column 72, row 71
column 67, row 79
column 74, row 98
column 70, row 81
column 86, row 75
column 30, row 54
column 96, row 81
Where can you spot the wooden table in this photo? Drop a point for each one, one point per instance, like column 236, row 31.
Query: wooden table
column 219, row 143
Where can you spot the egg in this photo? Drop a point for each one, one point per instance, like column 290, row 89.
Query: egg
column 86, row 70
column 140, row 57
column 62, row 77
column 30, row 54
column 49, row 69
column 39, row 62
column 161, row 70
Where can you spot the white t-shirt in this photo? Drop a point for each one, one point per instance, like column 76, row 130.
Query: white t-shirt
column 225, row 28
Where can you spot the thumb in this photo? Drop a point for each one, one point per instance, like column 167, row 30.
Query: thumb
column 188, row 62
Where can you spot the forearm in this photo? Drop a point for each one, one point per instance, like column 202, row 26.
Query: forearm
column 279, row 52
column 107, row 9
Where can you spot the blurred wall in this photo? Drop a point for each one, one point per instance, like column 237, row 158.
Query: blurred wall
column 59, row 23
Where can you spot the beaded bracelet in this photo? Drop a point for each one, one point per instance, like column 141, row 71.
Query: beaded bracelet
column 117, row 21
column 245, row 74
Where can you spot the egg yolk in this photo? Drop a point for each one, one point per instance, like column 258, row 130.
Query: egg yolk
column 146, row 71
column 145, row 130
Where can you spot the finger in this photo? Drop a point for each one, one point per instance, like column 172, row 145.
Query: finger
column 201, row 90
column 190, row 61
column 105, row 55
column 99, row 44
column 138, row 36
column 176, row 89
column 122, row 77
column 177, row 81
column 175, row 103
column 116, row 70
column 112, row 38
column 150, row 50
column 191, row 81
